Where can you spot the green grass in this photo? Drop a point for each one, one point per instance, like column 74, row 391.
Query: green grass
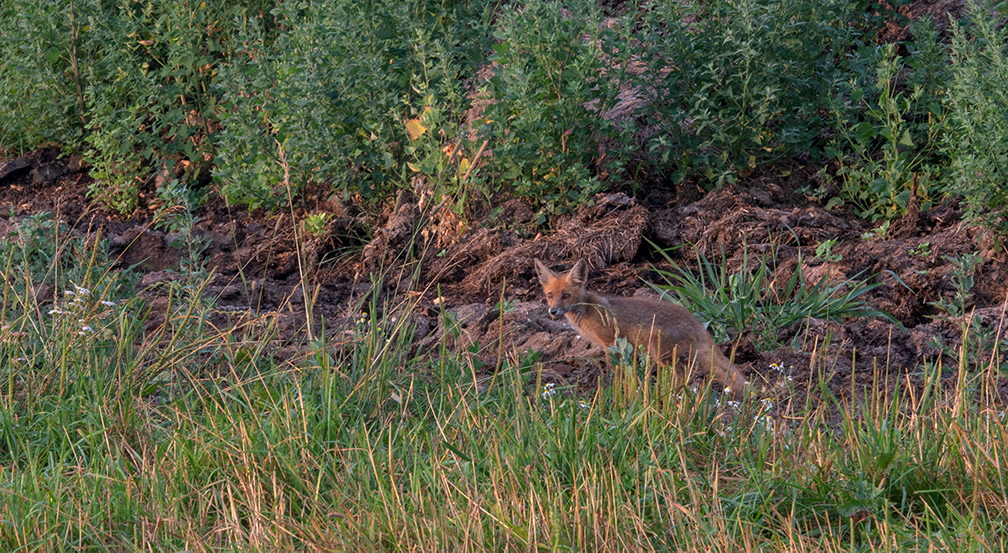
column 757, row 299
column 192, row 438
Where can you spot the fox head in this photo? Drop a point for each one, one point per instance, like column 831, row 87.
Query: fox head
column 563, row 291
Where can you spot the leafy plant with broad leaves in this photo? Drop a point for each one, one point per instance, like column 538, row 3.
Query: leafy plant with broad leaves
column 556, row 74
column 736, row 83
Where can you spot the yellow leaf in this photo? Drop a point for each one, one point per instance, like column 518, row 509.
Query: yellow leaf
column 415, row 129
column 415, row 168
column 463, row 167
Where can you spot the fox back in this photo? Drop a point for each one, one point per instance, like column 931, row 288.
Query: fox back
column 664, row 329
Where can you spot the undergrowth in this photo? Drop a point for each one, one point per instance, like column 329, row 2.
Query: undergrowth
column 468, row 102
column 123, row 428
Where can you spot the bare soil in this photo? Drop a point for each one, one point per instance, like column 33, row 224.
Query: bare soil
column 440, row 264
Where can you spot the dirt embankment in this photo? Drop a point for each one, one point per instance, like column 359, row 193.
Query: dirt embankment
column 432, row 260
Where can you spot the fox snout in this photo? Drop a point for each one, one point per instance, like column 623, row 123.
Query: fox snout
column 559, row 310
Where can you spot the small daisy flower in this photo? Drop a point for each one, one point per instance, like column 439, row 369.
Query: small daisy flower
column 548, row 390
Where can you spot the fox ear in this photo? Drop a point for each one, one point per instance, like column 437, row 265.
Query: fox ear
column 545, row 275
column 579, row 273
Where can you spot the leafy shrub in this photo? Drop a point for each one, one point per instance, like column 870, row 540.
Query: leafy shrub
column 977, row 98
column 334, row 88
column 888, row 133
column 737, row 82
column 555, row 77
column 41, row 52
column 129, row 83
column 151, row 102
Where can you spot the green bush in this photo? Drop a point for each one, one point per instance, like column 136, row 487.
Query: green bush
column 556, row 74
column 131, row 84
column 977, row 98
column 888, row 118
column 737, row 83
column 164, row 91
column 334, row 89
column 42, row 52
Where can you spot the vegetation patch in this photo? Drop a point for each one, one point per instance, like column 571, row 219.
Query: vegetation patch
column 268, row 282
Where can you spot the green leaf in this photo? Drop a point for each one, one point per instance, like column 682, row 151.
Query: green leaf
column 52, row 55
column 865, row 131
column 906, row 140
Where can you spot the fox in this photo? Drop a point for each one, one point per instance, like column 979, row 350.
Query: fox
column 664, row 329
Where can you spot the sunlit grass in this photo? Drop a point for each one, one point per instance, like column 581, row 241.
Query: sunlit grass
column 184, row 437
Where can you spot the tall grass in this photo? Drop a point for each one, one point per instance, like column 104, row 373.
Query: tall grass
column 180, row 436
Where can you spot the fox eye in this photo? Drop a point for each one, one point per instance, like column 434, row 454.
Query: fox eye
column 566, row 296
column 549, row 294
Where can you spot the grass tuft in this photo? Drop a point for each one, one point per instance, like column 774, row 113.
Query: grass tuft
column 756, row 297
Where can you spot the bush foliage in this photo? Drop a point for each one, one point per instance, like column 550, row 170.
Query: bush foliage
column 365, row 99
column 978, row 96
column 335, row 87
column 737, row 83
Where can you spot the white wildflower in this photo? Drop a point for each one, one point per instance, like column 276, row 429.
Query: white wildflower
column 548, row 390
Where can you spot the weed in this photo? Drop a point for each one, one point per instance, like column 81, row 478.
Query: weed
column 963, row 269
column 977, row 95
column 878, row 232
column 315, row 223
column 547, row 123
column 738, row 82
column 753, row 299
column 334, row 86
column 824, row 251
column 177, row 200
column 922, row 250
column 880, row 117
column 978, row 341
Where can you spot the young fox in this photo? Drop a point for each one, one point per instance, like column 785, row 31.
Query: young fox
column 665, row 329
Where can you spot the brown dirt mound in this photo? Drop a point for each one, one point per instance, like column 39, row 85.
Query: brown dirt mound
column 443, row 264
column 603, row 234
